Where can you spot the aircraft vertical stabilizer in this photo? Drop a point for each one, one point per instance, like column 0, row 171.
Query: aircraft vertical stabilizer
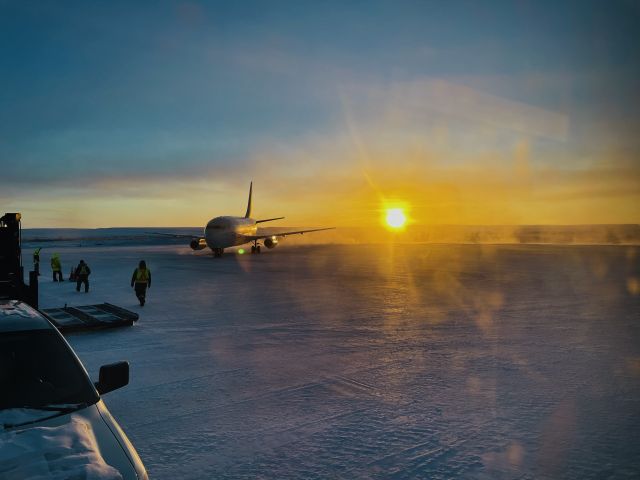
column 248, row 214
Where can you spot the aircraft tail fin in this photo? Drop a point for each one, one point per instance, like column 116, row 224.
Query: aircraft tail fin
column 248, row 214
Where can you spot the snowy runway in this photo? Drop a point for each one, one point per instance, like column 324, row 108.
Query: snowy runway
column 428, row 361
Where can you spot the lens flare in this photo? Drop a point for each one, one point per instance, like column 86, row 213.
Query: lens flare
column 396, row 218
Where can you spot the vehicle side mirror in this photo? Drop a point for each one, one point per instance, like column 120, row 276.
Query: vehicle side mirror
column 112, row 377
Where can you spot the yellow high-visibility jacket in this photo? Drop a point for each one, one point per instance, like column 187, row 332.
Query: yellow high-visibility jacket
column 141, row 275
column 55, row 264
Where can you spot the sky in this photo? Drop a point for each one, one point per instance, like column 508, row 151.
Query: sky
column 467, row 113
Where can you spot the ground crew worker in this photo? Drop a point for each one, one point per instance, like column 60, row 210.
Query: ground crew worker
column 82, row 276
column 36, row 260
column 56, row 267
column 140, row 280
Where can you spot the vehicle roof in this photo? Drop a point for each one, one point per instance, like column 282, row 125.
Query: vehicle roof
column 18, row 316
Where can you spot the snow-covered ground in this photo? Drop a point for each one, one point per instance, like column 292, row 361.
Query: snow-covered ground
column 373, row 361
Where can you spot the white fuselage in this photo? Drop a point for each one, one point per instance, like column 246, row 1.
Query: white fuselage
column 224, row 232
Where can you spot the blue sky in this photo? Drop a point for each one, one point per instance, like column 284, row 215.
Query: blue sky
column 177, row 105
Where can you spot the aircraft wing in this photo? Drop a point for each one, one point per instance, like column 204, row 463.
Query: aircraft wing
column 283, row 234
column 175, row 235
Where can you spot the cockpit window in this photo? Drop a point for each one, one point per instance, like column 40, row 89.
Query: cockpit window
column 37, row 369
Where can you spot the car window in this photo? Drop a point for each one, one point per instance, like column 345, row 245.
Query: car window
column 38, row 369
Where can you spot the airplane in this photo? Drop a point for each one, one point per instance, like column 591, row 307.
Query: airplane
column 228, row 231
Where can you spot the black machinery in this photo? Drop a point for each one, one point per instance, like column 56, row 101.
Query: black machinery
column 12, row 284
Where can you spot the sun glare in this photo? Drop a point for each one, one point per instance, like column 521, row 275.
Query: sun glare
column 396, row 218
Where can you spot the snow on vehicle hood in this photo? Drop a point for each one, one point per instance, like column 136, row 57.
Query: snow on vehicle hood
column 66, row 451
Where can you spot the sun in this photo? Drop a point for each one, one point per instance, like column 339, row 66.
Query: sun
column 395, row 218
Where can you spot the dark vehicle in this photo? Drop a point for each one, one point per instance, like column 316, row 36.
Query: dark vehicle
column 43, row 384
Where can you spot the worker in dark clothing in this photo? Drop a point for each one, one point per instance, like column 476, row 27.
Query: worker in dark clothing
column 141, row 280
column 82, row 276
column 36, row 260
column 56, row 267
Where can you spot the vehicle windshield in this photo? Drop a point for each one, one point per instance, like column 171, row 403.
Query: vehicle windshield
column 37, row 369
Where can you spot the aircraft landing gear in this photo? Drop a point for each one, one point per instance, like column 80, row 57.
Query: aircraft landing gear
column 255, row 248
column 217, row 252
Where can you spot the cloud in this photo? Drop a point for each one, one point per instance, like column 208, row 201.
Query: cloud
column 452, row 154
column 422, row 98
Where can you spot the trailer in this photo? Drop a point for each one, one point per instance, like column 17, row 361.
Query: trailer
column 90, row 317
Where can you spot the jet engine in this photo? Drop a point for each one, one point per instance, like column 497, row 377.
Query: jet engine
column 198, row 244
column 271, row 242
